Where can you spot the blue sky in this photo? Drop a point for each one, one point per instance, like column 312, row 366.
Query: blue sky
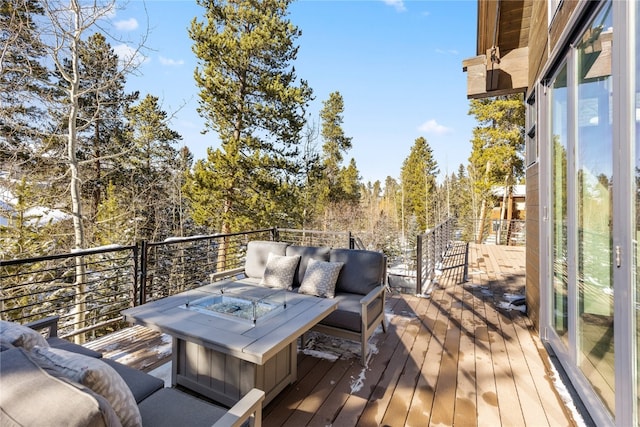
column 397, row 65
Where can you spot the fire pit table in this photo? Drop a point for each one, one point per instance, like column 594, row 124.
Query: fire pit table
column 229, row 339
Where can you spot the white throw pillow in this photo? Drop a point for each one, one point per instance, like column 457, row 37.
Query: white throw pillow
column 320, row 278
column 279, row 271
column 21, row 336
column 94, row 374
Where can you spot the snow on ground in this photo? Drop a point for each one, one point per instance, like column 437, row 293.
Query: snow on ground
column 566, row 397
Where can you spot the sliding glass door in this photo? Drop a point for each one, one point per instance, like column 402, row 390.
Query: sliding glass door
column 581, row 207
column 594, row 193
column 560, row 280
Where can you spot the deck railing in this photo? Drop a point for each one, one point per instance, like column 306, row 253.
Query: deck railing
column 431, row 248
column 180, row 264
column 315, row 238
column 88, row 289
column 492, row 231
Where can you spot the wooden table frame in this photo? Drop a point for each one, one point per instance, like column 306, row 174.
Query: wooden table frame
column 225, row 358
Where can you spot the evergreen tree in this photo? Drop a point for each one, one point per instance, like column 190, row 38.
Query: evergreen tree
column 29, row 167
column 65, row 27
column 418, row 176
column 335, row 144
column 337, row 187
column 23, row 83
column 102, row 103
column 154, row 168
column 311, row 175
column 350, row 183
column 497, row 148
column 249, row 97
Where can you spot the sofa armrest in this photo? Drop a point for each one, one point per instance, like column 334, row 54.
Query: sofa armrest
column 220, row 275
column 376, row 292
column 368, row 319
column 249, row 405
column 48, row 324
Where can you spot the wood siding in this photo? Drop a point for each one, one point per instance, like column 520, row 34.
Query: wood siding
column 538, row 41
column 513, row 32
column 560, row 21
column 533, row 245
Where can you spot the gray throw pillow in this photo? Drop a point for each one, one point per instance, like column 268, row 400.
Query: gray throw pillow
column 95, row 374
column 320, row 278
column 279, row 271
column 21, row 336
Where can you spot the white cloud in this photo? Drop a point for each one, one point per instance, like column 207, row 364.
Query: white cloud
column 126, row 25
column 170, row 62
column 397, row 4
column 432, row 126
column 128, row 56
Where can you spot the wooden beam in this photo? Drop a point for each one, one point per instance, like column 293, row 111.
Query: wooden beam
column 507, row 75
column 476, row 70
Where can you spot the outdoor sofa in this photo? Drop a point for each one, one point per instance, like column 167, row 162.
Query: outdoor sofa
column 355, row 278
column 48, row 381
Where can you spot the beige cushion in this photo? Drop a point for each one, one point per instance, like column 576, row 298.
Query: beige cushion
column 257, row 254
column 29, row 396
column 21, row 336
column 279, row 271
column 94, row 374
column 320, row 278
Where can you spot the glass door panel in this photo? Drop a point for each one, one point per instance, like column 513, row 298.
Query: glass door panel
column 559, row 114
column 594, row 168
column 636, row 213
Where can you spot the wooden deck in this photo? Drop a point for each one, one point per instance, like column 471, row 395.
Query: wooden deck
column 455, row 358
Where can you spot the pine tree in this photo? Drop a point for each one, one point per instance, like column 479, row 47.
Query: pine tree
column 23, row 82
column 65, row 27
column 497, row 148
column 334, row 146
column 337, row 187
column 25, row 159
column 154, row 167
column 249, row 96
column 418, row 174
column 101, row 127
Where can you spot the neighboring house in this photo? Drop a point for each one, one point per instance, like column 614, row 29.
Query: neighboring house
column 507, row 215
column 515, row 208
column 583, row 180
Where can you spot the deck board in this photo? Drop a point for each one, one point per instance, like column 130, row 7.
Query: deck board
column 455, row 358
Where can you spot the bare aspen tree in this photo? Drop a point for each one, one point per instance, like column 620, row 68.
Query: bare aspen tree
column 65, row 27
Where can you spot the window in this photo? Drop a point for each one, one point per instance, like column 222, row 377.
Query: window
column 531, row 141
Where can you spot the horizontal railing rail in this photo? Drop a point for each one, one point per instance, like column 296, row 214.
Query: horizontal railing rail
column 179, row 264
column 315, row 238
column 88, row 289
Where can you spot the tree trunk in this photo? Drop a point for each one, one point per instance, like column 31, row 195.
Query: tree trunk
column 509, row 214
column 480, row 233
column 503, row 209
column 221, row 264
column 76, row 196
